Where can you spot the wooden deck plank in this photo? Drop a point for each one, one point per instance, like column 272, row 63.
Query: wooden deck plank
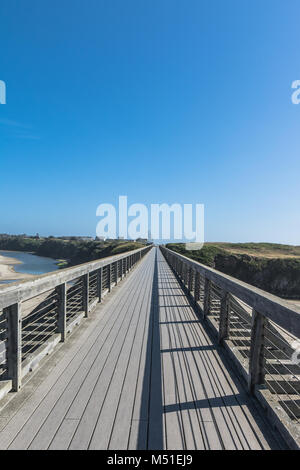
column 78, row 406
column 138, row 435
column 89, row 419
column 127, row 398
column 235, row 398
column 64, row 435
column 107, row 420
column 191, row 426
column 215, row 396
column 176, row 301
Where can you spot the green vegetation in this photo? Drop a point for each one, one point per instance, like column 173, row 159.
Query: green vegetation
column 205, row 256
column 68, row 252
column 62, row 263
column 271, row 267
column 265, row 250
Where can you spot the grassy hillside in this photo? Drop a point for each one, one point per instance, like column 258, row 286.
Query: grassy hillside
column 272, row 267
column 263, row 250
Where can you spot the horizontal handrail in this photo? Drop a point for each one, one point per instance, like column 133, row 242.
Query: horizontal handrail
column 24, row 290
column 274, row 308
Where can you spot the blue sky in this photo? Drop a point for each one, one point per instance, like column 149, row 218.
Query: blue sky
column 162, row 101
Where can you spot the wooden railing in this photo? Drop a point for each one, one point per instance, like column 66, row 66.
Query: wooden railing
column 259, row 330
column 35, row 315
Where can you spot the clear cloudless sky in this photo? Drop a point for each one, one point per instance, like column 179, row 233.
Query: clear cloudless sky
column 183, row 101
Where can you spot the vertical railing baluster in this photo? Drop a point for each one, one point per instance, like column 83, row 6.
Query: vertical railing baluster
column 206, row 303
column 85, row 294
column 224, row 317
column 99, row 284
column 61, row 291
column 14, row 359
column 190, row 279
column 116, row 272
column 257, row 356
column 109, row 276
column 197, row 288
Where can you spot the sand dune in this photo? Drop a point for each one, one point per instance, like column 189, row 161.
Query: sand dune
column 7, row 271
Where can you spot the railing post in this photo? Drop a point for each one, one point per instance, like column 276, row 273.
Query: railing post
column 257, row 356
column 183, row 273
column 85, row 294
column 224, row 317
column 99, row 284
column 62, row 310
column 190, row 279
column 122, row 268
column 197, row 287
column 116, row 271
column 109, row 277
column 181, row 270
column 206, row 303
column 14, row 359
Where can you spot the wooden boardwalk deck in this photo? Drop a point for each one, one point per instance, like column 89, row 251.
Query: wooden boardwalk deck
column 141, row 372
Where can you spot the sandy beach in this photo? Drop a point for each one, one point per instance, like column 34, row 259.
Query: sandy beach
column 7, row 271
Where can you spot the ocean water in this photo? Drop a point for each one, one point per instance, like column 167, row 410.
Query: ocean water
column 30, row 264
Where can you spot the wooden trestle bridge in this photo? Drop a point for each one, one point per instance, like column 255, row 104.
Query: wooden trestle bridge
column 147, row 350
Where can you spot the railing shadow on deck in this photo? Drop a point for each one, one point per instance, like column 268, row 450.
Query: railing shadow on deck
column 151, row 436
column 224, row 400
